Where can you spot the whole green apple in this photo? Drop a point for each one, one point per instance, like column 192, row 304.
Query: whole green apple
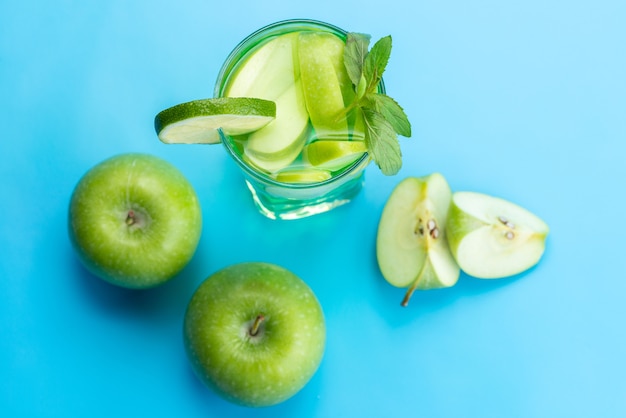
column 134, row 220
column 254, row 333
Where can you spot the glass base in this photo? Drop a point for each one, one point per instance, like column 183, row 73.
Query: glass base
column 296, row 207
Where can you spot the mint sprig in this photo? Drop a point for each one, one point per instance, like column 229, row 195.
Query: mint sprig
column 383, row 116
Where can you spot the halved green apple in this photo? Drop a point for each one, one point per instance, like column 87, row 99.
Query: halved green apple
column 491, row 237
column 411, row 245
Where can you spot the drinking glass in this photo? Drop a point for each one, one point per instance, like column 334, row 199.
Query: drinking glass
column 273, row 198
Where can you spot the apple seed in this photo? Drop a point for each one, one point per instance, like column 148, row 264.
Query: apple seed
column 504, row 221
column 420, row 229
column 431, row 225
column 433, row 230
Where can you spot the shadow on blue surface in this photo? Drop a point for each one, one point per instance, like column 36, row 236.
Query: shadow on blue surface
column 210, row 401
column 433, row 300
column 163, row 308
column 161, row 303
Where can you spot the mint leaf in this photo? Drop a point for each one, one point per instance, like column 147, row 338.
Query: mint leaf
column 382, row 142
column 354, row 55
column 392, row 112
column 376, row 62
column 383, row 117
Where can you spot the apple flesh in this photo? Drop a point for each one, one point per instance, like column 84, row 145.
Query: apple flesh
column 279, row 143
column 491, row 237
column 134, row 220
column 254, row 333
column 272, row 73
column 411, row 245
column 322, row 69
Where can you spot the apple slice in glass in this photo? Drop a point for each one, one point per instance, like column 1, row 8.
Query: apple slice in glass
column 411, row 245
column 491, row 237
column 322, row 72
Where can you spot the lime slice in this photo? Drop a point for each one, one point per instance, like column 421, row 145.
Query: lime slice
column 333, row 155
column 196, row 122
column 311, row 175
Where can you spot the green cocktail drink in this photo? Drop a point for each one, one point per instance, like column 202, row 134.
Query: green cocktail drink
column 312, row 157
column 300, row 105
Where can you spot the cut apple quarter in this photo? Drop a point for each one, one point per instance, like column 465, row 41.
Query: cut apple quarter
column 491, row 237
column 411, row 244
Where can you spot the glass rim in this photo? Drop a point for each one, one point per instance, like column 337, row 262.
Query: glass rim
column 227, row 67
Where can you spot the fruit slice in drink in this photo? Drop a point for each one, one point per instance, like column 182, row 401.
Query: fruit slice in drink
column 196, row 122
column 333, row 155
column 280, row 142
column 311, row 175
column 268, row 71
column 327, row 88
column 271, row 73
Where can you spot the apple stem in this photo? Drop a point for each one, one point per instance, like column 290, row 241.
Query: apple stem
column 409, row 292
column 130, row 218
column 254, row 330
column 407, row 296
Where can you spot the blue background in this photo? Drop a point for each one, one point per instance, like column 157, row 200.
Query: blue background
column 521, row 99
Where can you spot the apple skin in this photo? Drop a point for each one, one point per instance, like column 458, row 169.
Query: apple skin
column 276, row 363
column 324, row 81
column 134, row 220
